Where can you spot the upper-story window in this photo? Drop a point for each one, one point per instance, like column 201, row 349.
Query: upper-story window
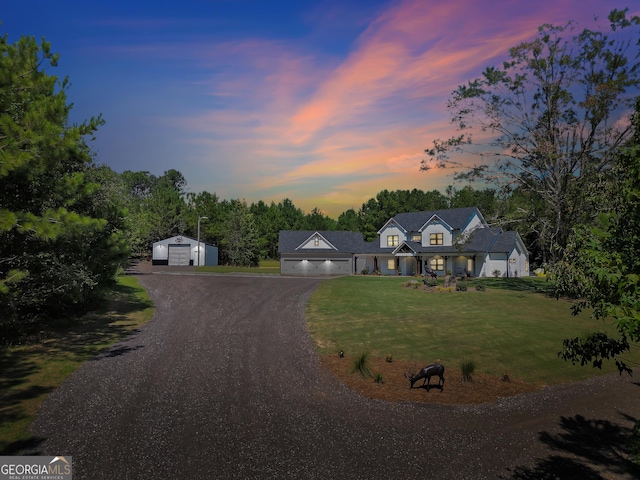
column 436, row 239
column 316, row 242
column 416, row 237
column 393, row 240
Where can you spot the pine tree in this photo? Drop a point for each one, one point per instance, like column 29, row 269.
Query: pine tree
column 57, row 246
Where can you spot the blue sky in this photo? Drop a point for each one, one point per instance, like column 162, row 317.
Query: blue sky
column 323, row 102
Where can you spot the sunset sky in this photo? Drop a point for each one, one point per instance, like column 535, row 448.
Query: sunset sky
column 322, row 102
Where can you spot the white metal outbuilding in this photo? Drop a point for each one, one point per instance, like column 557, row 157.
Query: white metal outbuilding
column 180, row 251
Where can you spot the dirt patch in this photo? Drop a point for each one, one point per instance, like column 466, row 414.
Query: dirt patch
column 395, row 387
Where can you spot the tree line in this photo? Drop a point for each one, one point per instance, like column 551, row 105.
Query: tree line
column 159, row 207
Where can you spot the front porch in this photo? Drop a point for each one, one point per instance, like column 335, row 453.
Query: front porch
column 458, row 265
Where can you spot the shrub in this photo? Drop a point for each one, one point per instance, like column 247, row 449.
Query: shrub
column 468, row 367
column 481, row 288
column 378, row 378
column 389, row 358
column 461, row 287
column 365, row 271
column 361, row 365
column 445, row 289
column 496, row 273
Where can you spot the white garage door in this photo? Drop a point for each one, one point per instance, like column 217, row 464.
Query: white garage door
column 179, row 254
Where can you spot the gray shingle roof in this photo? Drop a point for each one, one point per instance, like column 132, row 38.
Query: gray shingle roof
column 457, row 218
column 505, row 242
column 491, row 239
column 346, row 242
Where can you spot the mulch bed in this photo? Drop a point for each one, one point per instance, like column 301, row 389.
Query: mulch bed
column 395, row 387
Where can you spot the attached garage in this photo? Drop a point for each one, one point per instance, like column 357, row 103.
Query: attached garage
column 316, row 266
column 318, row 253
column 183, row 251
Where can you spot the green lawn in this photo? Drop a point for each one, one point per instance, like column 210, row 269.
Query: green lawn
column 514, row 327
column 28, row 373
column 265, row 267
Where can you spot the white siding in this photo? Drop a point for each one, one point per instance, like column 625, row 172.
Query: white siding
column 496, row 261
column 317, row 242
column 518, row 264
column 436, row 226
column 389, row 231
column 160, row 252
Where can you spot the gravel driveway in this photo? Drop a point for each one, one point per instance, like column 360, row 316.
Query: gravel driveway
column 224, row 383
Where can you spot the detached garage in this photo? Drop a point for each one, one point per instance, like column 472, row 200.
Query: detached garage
column 183, row 251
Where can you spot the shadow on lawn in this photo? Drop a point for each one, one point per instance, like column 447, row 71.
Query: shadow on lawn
column 14, row 391
column 61, row 348
column 586, row 449
column 518, row 284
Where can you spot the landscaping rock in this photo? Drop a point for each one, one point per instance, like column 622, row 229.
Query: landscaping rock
column 450, row 281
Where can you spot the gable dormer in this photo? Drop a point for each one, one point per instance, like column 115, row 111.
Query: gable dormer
column 392, row 234
column 405, row 249
column 436, row 233
column 316, row 242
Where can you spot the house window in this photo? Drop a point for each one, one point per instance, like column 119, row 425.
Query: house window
column 416, row 237
column 436, row 239
column 437, row 264
column 316, row 242
column 391, row 264
column 392, row 240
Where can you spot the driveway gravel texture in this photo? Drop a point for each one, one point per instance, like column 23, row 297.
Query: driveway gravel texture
column 224, row 383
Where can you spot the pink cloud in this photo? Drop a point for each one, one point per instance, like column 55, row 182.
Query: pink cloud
column 363, row 120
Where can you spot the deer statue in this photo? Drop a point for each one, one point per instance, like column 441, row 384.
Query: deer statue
column 429, row 273
column 433, row 369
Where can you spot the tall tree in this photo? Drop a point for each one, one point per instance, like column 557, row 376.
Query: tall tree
column 264, row 226
column 205, row 204
column 601, row 267
column 164, row 210
column 486, row 200
column 349, row 221
column 240, row 242
column 316, row 220
column 136, row 189
column 55, row 239
column 548, row 118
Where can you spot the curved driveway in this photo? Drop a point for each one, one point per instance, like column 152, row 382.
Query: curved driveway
column 224, row 383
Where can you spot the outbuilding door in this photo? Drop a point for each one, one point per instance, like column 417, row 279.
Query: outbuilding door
column 179, row 254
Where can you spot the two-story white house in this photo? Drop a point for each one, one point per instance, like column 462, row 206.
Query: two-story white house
column 456, row 240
